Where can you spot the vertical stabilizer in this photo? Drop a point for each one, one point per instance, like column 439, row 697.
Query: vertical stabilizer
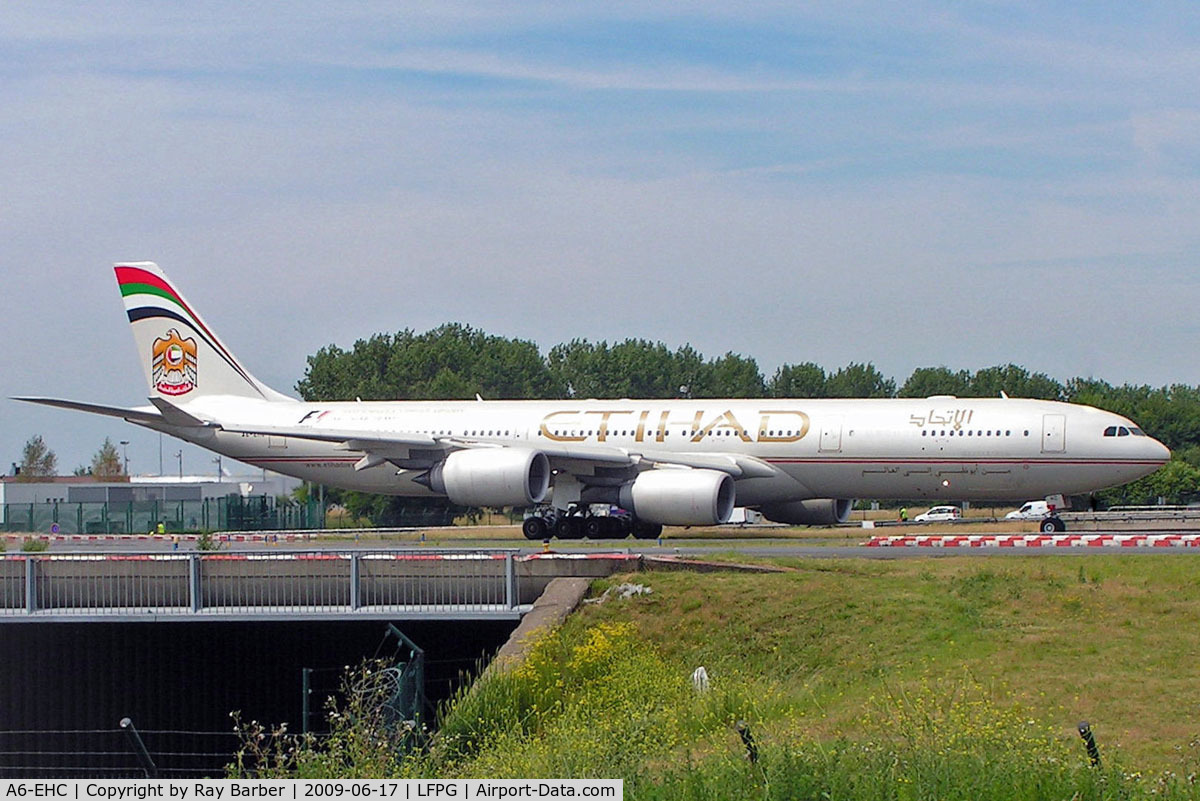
column 182, row 357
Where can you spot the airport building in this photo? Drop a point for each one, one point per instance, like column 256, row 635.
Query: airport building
column 137, row 504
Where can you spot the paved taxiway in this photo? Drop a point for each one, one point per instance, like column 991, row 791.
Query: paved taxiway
column 683, row 547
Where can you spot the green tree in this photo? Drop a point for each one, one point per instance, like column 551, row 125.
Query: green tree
column 927, row 381
column 452, row 361
column 37, row 460
column 635, row 368
column 860, row 381
column 733, row 376
column 1176, row 482
column 106, row 464
column 1016, row 382
column 638, row 368
column 805, row 380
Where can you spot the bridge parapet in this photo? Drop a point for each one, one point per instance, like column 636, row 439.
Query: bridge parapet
column 299, row 585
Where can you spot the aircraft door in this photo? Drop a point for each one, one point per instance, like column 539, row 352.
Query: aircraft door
column 1054, row 433
column 831, row 435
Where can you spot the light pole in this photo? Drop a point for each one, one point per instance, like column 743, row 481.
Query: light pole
column 125, row 454
column 179, row 456
column 217, row 462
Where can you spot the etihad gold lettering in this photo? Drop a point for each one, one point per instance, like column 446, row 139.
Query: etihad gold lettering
column 548, row 434
column 568, row 425
column 640, row 435
column 732, row 423
column 773, row 432
column 602, row 431
column 660, row 433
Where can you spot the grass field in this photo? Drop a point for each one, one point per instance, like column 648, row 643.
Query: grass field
column 953, row 677
column 816, row 535
column 948, row 678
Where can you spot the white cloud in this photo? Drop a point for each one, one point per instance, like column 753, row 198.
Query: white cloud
column 962, row 199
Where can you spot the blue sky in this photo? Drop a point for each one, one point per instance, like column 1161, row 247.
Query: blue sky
column 927, row 184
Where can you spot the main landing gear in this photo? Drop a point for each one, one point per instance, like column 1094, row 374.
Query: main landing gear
column 577, row 523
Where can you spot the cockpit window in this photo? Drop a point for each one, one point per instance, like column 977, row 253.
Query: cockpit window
column 1137, row 432
column 1111, row 431
column 1122, row 432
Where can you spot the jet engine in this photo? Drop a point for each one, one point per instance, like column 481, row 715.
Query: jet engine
column 815, row 512
column 679, row 497
column 492, row 477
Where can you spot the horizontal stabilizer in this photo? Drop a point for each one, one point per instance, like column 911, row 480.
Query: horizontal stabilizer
column 140, row 415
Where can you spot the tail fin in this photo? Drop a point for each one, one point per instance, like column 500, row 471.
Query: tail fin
column 182, row 357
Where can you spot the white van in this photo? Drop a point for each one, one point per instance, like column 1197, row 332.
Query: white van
column 1032, row 510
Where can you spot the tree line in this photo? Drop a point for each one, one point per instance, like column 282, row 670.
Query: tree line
column 38, row 461
column 457, row 361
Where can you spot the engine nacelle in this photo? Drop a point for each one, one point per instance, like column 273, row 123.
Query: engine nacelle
column 815, row 512
column 492, row 477
column 680, row 497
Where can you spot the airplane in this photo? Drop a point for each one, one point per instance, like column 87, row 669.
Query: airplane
column 676, row 462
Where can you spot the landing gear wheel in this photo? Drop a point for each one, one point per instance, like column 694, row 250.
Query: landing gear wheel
column 570, row 528
column 647, row 531
column 535, row 528
column 615, row 528
column 1052, row 525
column 593, row 528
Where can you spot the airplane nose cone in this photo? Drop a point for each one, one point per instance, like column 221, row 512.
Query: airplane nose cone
column 1158, row 452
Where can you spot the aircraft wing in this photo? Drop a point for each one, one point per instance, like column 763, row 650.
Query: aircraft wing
column 356, row 435
column 407, row 450
column 572, row 457
column 412, row 450
column 145, row 414
column 737, row 465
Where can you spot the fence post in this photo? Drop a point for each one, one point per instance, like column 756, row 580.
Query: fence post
column 305, row 693
column 197, row 602
column 510, row 581
column 139, row 748
column 30, row 585
column 355, row 577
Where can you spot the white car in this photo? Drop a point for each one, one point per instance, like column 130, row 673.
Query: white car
column 939, row 513
column 1031, row 510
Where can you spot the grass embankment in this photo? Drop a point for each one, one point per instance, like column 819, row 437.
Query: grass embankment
column 908, row 679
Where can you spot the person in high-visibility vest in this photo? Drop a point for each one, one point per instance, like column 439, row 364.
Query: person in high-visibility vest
column 903, row 514
column 161, row 528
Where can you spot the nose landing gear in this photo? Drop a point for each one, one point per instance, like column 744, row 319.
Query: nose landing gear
column 1052, row 524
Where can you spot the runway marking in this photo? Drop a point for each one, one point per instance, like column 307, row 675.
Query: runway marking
column 1037, row 541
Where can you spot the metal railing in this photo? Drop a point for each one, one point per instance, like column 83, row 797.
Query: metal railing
column 254, row 585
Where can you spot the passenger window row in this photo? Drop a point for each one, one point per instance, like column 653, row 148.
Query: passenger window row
column 953, row 433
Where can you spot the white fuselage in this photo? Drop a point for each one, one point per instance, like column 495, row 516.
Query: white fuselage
column 935, row 448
